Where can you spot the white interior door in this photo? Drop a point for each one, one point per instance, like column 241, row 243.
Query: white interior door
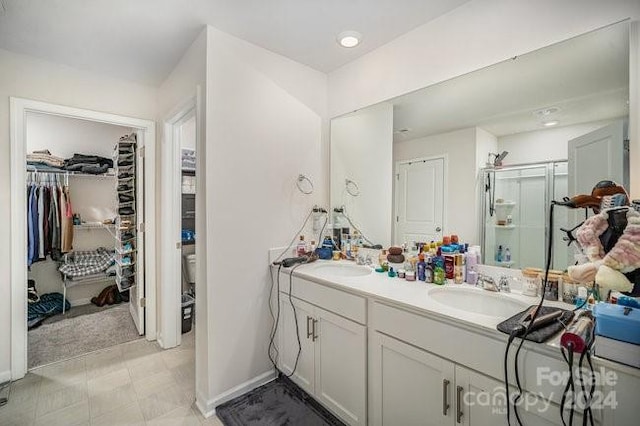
column 596, row 156
column 136, row 293
column 419, row 201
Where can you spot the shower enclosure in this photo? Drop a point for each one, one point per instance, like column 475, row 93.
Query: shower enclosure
column 515, row 215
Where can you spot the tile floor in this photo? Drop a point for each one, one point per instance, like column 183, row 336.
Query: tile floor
column 134, row 383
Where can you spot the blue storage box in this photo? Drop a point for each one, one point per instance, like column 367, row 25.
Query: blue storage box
column 612, row 322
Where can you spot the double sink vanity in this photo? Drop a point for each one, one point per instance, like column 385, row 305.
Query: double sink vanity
column 384, row 351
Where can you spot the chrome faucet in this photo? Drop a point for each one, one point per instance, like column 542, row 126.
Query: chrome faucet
column 504, row 285
column 488, row 283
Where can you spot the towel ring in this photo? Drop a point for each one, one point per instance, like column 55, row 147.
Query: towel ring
column 351, row 187
column 300, row 182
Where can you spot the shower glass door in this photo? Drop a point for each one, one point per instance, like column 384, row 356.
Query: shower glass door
column 516, row 215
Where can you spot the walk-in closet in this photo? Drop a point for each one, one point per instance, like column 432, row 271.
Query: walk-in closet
column 84, row 254
column 187, row 139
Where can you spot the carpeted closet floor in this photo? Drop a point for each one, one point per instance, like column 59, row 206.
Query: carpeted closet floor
column 81, row 330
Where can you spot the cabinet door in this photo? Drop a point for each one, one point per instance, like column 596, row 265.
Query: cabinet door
column 481, row 401
column 341, row 365
column 288, row 338
column 408, row 386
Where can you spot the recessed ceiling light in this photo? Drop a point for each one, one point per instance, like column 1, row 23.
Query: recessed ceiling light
column 546, row 111
column 349, row 39
column 550, row 123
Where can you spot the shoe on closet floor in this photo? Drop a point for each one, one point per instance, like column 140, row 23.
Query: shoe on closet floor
column 101, row 299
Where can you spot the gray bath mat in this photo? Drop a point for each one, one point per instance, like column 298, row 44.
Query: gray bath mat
column 280, row 402
column 79, row 335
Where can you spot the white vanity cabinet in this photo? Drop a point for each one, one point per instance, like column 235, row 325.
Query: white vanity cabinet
column 408, row 386
column 333, row 360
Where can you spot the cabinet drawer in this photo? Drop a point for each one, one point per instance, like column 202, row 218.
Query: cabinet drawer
column 339, row 302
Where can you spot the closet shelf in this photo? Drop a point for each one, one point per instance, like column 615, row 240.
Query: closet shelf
column 95, row 225
column 74, row 174
column 504, row 226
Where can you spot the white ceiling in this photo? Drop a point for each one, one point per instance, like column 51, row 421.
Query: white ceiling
column 142, row 40
column 586, row 77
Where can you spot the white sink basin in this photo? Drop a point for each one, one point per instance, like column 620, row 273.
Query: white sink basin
column 477, row 301
column 341, row 270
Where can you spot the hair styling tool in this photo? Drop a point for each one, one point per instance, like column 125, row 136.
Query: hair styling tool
column 578, row 336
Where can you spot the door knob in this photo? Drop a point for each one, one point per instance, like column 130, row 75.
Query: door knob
column 438, row 229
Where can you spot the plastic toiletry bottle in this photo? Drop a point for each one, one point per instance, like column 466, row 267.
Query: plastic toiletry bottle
column 499, row 254
column 438, row 270
column 463, row 254
column 507, row 255
column 421, row 267
column 472, row 269
column 382, row 257
column 457, row 278
column 301, row 248
column 455, row 244
column 428, row 272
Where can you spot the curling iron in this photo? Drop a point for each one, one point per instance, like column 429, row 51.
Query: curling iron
column 578, row 336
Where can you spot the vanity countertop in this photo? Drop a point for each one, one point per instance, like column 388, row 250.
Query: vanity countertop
column 414, row 296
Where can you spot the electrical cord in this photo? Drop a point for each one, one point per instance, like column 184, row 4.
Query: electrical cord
column 274, row 329
column 570, row 385
column 276, row 319
column 293, row 240
column 295, row 320
column 344, row 213
column 531, row 322
column 506, row 373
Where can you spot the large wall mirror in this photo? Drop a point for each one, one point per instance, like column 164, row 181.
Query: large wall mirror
column 482, row 155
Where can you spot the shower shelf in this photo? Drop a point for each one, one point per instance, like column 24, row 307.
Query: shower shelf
column 510, row 227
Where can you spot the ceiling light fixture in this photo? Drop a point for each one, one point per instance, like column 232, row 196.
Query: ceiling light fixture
column 550, row 123
column 546, row 111
column 349, row 39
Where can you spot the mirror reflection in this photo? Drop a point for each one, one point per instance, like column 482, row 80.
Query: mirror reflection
column 483, row 155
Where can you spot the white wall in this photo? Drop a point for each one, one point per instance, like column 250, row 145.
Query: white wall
column 188, row 79
column 477, row 34
column 66, row 136
column 188, row 134
column 543, row 145
column 265, row 125
column 460, row 149
column 26, row 77
column 361, row 150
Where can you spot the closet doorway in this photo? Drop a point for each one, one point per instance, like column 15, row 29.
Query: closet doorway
column 79, row 202
column 180, row 138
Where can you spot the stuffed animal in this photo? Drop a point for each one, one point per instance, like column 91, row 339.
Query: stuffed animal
column 608, row 270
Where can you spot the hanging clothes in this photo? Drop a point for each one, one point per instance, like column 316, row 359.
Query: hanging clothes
column 41, row 222
column 68, row 218
column 49, row 218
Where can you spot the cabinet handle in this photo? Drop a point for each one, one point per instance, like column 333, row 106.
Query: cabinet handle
column 314, row 336
column 459, row 413
column 445, row 397
column 309, row 332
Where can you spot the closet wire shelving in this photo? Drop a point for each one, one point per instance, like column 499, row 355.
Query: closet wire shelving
column 61, row 177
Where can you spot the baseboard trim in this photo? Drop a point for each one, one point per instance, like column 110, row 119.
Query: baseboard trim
column 208, row 407
column 5, row 376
